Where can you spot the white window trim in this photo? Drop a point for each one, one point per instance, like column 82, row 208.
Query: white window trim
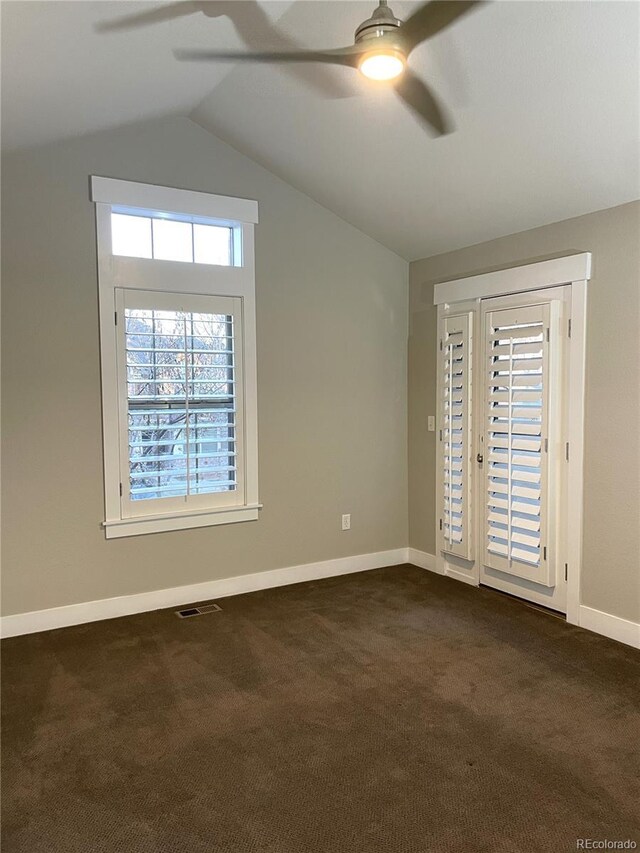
column 115, row 273
column 565, row 270
column 573, row 270
column 171, row 200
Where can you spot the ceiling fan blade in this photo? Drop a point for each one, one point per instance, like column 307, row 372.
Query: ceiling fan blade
column 432, row 18
column 154, row 16
column 341, row 56
column 417, row 96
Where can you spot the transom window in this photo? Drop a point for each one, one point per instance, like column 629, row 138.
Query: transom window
column 142, row 234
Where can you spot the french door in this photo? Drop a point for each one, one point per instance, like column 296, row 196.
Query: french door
column 504, row 443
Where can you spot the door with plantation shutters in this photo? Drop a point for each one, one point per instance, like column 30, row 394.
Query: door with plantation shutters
column 510, row 416
column 520, row 446
column 455, row 423
column 502, row 491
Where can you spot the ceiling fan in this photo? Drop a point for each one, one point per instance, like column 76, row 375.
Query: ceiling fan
column 381, row 49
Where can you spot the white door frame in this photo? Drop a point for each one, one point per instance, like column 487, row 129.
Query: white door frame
column 573, row 270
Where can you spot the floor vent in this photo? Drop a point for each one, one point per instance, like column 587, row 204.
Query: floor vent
column 198, row 611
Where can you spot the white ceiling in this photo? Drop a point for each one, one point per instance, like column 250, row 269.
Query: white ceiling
column 545, row 97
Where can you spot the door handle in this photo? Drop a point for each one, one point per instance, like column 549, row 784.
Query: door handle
column 480, row 458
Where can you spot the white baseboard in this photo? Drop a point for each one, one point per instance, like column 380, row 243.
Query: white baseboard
column 593, row 620
column 126, row 605
column 609, row 626
column 458, row 575
column 110, row 608
column 423, row 560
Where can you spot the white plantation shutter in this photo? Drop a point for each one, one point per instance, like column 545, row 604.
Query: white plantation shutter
column 516, row 441
column 455, row 419
column 180, row 368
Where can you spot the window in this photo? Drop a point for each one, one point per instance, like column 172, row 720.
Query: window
column 182, row 406
column 143, row 234
column 177, row 314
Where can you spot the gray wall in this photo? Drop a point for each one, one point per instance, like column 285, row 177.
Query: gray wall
column 611, row 566
column 332, row 327
column 332, row 330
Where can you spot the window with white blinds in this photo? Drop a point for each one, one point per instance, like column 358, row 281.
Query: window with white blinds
column 516, row 440
column 455, row 389
column 177, row 356
column 181, row 368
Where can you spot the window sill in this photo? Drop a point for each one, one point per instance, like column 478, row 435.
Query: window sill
column 179, row 521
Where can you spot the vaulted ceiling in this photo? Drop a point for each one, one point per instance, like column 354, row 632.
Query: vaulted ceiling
column 545, row 97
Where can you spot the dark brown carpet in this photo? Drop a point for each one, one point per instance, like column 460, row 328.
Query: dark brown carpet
column 392, row 710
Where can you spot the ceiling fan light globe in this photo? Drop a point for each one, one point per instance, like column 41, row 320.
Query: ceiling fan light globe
column 382, row 65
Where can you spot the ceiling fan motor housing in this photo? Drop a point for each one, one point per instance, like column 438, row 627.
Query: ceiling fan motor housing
column 382, row 21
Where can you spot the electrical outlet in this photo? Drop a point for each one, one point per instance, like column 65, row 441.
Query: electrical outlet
column 431, row 423
column 346, row 522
